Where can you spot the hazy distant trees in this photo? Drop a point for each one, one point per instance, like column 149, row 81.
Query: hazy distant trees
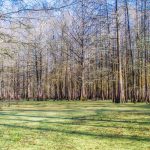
column 85, row 49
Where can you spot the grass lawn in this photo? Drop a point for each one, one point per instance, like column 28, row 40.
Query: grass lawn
column 74, row 126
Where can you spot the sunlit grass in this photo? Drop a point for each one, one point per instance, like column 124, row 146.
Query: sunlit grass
column 66, row 125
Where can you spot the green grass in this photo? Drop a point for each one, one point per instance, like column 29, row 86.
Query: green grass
column 74, row 126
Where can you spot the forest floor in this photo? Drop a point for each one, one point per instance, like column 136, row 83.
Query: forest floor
column 91, row 125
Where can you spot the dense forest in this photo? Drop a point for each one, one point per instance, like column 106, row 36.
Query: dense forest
column 75, row 50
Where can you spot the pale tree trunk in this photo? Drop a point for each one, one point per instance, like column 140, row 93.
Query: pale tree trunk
column 120, row 91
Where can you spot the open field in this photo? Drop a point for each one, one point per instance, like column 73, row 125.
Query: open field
column 74, row 126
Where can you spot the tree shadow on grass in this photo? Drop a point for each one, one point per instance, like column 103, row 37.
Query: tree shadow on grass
column 143, row 106
column 81, row 133
column 135, row 112
column 40, row 110
column 97, row 111
column 84, row 118
column 78, row 123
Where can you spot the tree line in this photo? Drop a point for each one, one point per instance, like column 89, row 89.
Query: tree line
column 84, row 49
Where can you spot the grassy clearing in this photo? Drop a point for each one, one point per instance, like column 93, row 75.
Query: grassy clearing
column 74, row 126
